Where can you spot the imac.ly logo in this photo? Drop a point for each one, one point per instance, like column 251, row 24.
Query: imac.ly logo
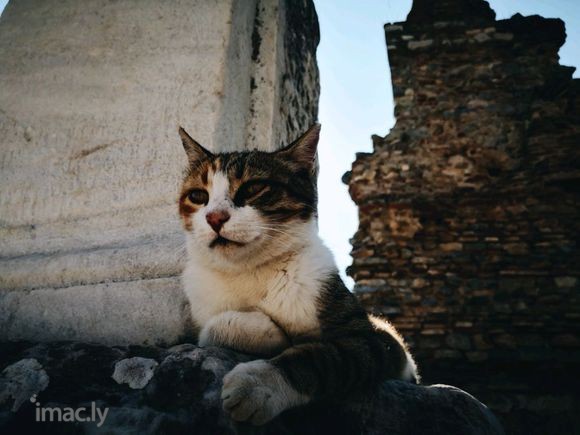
column 81, row 414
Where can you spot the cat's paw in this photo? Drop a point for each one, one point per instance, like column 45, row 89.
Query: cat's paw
column 257, row 392
column 249, row 332
column 209, row 335
column 271, row 342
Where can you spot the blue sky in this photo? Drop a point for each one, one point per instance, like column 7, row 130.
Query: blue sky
column 356, row 99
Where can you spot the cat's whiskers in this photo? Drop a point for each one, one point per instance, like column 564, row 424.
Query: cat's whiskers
column 278, row 243
column 279, row 232
column 287, row 244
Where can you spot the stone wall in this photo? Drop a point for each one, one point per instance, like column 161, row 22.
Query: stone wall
column 469, row 210
column 91, row 94
column 176, row 390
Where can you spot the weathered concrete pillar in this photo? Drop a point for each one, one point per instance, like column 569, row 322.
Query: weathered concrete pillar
column 91, row 93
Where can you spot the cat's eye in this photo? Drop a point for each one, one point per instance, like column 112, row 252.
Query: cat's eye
column 198, row 196
column 250, row 190
column 253, row 189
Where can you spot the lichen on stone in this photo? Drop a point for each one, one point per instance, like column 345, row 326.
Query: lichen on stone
column 136, row 372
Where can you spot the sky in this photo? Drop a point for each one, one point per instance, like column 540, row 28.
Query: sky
column 356, row 99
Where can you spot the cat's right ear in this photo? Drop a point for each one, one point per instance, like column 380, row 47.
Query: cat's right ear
column 194, row 151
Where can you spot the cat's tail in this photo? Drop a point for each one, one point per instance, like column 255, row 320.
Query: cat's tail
column 383, row 327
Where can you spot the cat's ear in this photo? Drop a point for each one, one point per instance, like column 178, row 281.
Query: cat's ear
column 303, row 149
column 195, row 151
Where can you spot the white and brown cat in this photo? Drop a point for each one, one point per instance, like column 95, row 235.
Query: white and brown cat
column 260, row 280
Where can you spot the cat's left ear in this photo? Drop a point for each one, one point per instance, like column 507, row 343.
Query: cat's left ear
column 303, row 149
column 194, row 151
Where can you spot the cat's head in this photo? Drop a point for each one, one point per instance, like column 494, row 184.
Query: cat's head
column 244, row 208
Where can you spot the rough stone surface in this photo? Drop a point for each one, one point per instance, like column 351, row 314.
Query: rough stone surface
column 470, row 214
column 91, row 93
column 183, row 396
column 21, row 381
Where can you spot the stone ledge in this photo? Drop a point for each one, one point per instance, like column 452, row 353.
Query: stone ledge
column 151, row 311
column 156, row 390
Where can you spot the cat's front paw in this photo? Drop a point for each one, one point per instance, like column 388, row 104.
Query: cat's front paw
column 257, row 392
column 209, row 336
column 249, row 332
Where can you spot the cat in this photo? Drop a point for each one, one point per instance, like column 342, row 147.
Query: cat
column 259, row 280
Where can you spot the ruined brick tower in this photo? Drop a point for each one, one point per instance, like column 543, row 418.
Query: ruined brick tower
column 469, row 209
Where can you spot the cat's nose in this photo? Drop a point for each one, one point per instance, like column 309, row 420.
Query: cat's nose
column 217, row 219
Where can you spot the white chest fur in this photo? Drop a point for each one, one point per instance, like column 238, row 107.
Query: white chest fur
column 286, row 289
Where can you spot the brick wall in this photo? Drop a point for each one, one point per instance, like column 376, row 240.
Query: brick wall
column 469, row 210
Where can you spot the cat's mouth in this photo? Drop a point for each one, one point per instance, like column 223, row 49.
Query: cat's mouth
column 222, row 241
